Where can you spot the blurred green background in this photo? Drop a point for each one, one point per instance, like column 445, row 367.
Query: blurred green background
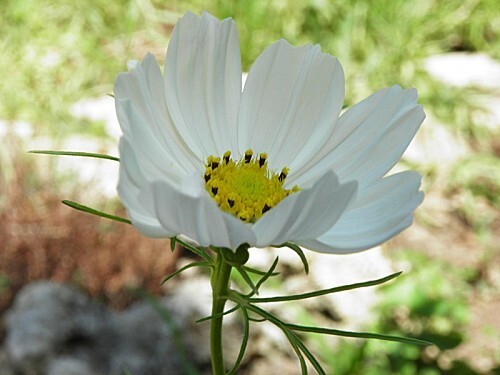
column 56, row 53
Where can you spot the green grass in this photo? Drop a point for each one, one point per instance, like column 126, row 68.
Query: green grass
column 57, row 52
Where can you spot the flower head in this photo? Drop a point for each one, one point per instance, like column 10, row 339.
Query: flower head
column 273, row 163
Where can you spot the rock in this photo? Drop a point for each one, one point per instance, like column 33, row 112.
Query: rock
column 465, row 69
column 50, row 319
column 54, row 329
column 144, row 344
column 99, row 109
column 69, row 366
column 354, row 306
column 477, row 70
column 436, row 145
column 5, row 366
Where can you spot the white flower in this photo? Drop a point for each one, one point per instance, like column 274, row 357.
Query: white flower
column 176, row 126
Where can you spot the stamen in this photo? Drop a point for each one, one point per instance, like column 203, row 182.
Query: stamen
column 248, row 156
column 283, row 174
column 262, row 159
column 293, row 190
column 243, row 215
column 245, row 188
column 215, row 163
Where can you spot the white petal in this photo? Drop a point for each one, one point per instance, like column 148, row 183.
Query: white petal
column 150, row 157
column 148, row 226
column 130, row 180
column 290, row 103
column 203, row 82
column 380, row 212
column 193, row 213
column 369, row 138
column 306, row 214
column 143, row 116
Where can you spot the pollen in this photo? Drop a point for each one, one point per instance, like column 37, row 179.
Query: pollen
column 245, row 188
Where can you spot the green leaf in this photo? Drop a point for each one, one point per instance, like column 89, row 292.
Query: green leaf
column 259, row 272
column 309, row 356
column 235, row 258
column 268, row 274
column 75, row 153
column 363, row 335
column 180, row 270
column 247, row 279
column 80, row 207
column 210, row 317
column 173, row 240
column 299, row 252
column 241, row 254
column 326, row 291
column 197, row 250
column 244, row 341
column 293, row 340
column 257, row 320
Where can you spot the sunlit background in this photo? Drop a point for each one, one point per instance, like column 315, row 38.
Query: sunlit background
column 58, row 62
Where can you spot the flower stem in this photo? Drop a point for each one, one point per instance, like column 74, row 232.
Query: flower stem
column 220, row 289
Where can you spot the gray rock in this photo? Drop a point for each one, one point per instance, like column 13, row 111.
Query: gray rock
column 69, row 366
column 49, row 320
column 144, row 344
column 54, row 329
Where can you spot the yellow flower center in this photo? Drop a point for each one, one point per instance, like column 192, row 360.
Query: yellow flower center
column 245, row 188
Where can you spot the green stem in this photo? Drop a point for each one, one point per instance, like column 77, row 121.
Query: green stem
column 220, row 290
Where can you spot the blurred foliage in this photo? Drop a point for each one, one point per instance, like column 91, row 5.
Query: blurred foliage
column 475, row 184
column 379, row 43
column 55, row 52
column 480, row 175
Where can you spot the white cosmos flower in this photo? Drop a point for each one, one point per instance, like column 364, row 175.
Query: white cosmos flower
column 289, row 115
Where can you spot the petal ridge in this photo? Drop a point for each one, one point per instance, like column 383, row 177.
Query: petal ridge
column 203, row 82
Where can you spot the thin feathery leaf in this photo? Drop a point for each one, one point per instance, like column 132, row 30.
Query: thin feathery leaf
column 326, row 291
column 268, row 273
column 244, row 341
column 258, row 272
column 363, row 335
column 81, row 207
column 227, row 312
column 75, row 153
column 312, row 359
column 247, row 279
column 258, row 320
column 173, row 241
column 292, row 339
column 198, row 251
column 186, row 267
column 299, row 252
